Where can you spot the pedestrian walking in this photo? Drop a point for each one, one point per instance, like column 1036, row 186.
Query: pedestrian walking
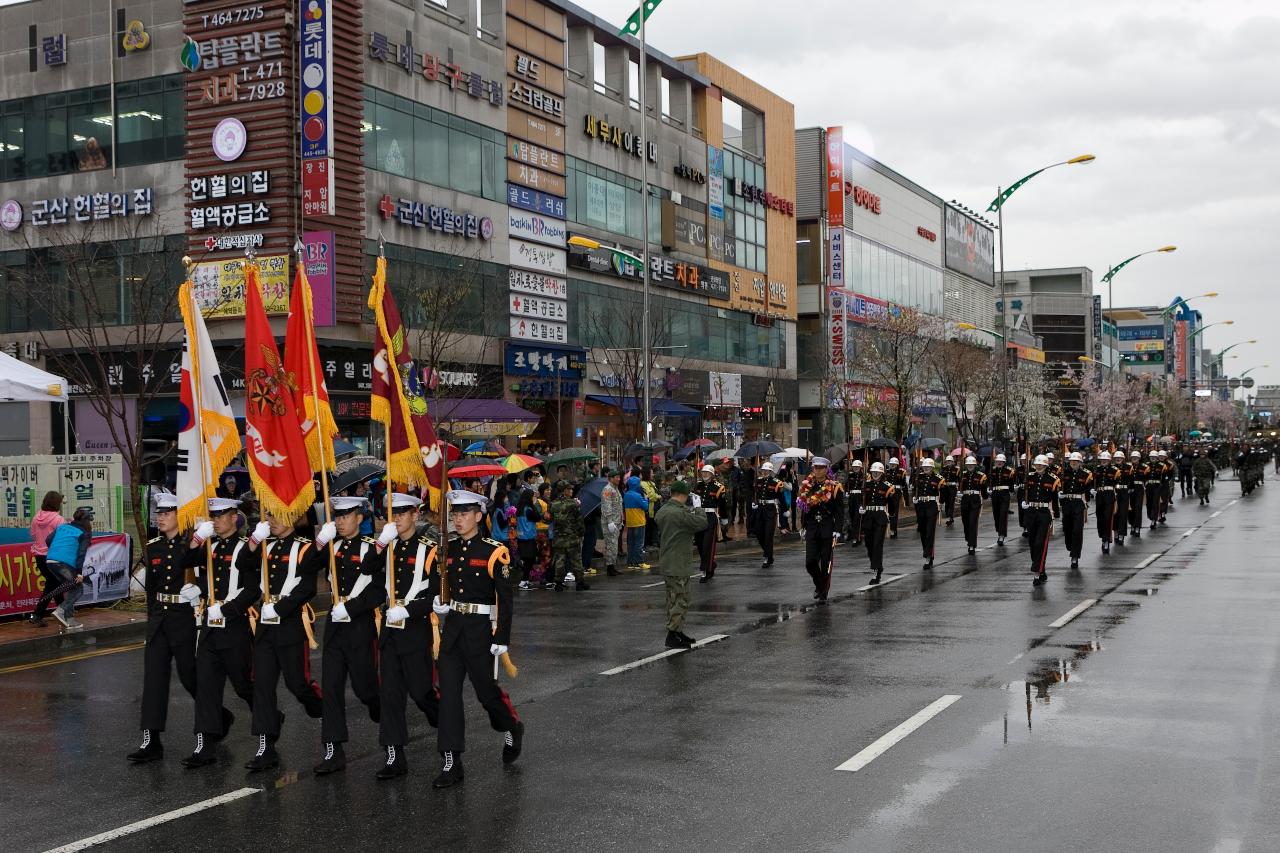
column 566, row 544
column 171, row 626
column 764, row 511
column 679, row 521
column 350, row 634
column 1041, row 505
column 230, row 585
column 877, row 495
column 476, row 581
column 68, row 546
column 822, row 497
column 711, row 496
column 926, row 492
column 612, row 520
column 1003, row 481
column 635, row 512
column 405, row 666
column 43, row 525
column 972, row 487
column 1075, row 490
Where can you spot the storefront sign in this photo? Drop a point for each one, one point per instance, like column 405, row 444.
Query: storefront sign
column 223, row 52
column 11, row 215
column 91, row 207
column 527, row 329
column 1180, row 348
column 1027, row 353
column 548, row 389
column 219, row 286
column 758, row 195
column 835, row 183
column 224, row 186
column 1097, row 328
column 55, row 49
column 135, row 38
column 523, row 305
column 443, row 220
column 682, row 229
column 1148, row 346
column 540, row 258
column 715, row 182
column 435, row 69
column 21, row 584
column 835, row 241
column 535, row 71
column 931, row 236
column 86, row 481
column 835, row 317
column 689, row 173
column 599, row 128
column 315, row 62
column 535, row 178
column 663, row 271
column 232, row 242
column 536, row 129
column 521, row 359
column 969, row 246
column 865, row 309
column 535, row 100
column 533, row 155
column 1142, row 333
column 240, row 215
column 535, row 202
column 863, row 197
column 726, row 389
column 540, row 229
column 319, row 254
column 537, row 284
column 229, row 140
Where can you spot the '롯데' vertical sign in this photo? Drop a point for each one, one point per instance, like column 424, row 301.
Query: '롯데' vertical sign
column 315, row 68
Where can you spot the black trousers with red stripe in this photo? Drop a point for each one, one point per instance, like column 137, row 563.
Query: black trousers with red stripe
column 464, row 653
column 1106, row 510
column 407, row 673
column 1121, row 513
column 271, row 660
column 1038, row 523
column 707, row 545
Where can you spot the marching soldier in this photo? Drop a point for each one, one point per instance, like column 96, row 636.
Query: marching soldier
column 1124, row 483
column 1040, row 497
column 712, row 495
column 896, row 477
column 1168, row 476
column 853, row 483
column 1055, row 467
column 477, row 632
column 973, row 490
column 1074, row 490
column 225, row 650
column 281, row 646
column 764, row 505
column 823, row 499
column 171, row 626
column 950, row 485
column 1003, row 481
column 1203, row 471
column 1020, row 483
column 878, row 494
column 926, row 489
column 404, row 646
column 1137, row 493
column 350, row 635
column 1106, row 478
column 1155, row 487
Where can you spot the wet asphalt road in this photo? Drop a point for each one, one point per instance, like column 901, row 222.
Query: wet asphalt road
column 1148, row 722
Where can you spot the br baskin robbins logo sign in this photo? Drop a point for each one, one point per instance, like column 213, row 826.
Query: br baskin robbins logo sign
column 539, row 229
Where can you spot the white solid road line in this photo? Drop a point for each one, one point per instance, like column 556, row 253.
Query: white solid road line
column 882, row 744
column 884, row 582
column 1073, row 613
column 618, row 670
column 1216, row 514
column 138, row 826
column 1187, row 533
column 1151, row 559
column 652, row 585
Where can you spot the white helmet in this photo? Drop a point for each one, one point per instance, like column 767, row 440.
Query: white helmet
column 1042, row 459
column 1049, row 456
column 766, row 466
column 1162, row 454
column 1155, row 454
column 1076, row 456
column 894, row 461
column 857, row 463
column 1135, row 454
column 707, row 469
column 1021, row 456
column 877, row 468
column 927, row 462
column 1104, row 456
column 970, row 461
column 1000, row 457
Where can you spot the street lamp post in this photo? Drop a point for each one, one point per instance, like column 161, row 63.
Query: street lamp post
column 1111, row 274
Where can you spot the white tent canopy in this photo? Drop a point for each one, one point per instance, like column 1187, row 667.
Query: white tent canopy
column 22, row 383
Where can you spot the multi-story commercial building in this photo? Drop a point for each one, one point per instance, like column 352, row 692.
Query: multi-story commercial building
column 467, row 143
column 1059, row 307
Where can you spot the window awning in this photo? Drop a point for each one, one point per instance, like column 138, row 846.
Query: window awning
column 659, row 405
column 482, row 417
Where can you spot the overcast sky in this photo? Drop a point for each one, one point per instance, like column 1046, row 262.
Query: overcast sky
column 1177, row 98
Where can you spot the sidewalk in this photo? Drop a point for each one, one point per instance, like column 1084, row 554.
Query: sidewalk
column 20, row 640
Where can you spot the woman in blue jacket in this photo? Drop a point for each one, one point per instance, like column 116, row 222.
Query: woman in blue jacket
column 68, row 545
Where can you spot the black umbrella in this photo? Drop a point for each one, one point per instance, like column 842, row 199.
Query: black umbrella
column 645, row 448
column 357, row 469
column 930, row 443
column 882, row 443
column 986, row 451
column 838, row 453
column 590, row 495
column 752, row 449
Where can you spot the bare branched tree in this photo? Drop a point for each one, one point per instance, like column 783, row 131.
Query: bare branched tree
column 970, row 380
column 892, row 354
column 618, row 332
column 1035, row 413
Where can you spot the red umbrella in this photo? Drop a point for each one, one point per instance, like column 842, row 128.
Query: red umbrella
column 702, row 442
column 482, row 469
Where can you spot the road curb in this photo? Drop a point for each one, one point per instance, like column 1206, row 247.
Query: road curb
column 59, row 642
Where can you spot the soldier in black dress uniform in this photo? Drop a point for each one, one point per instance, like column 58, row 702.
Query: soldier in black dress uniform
column 950, row 485
column 1075, row 490
column 1105, row 478
column 1123, row 483
column 973, row 490
column 1002, row 479
column 823, row 499
column 926, row 492
column 764, row 509
column 171, row 626
column 225, row 651
column 712, row 495
column 1039, row 499
column 407, row 668
column 350, row 635
column 477, row 631
column 1137, row 493
column 877, row 495
column 896, row 477
column 280, row 647
column 853, row 483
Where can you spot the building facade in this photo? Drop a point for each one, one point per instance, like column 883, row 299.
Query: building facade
column 1059, row 307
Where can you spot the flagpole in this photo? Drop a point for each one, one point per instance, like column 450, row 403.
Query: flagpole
column 198, row 393
column 313, row 352
column 386, row 452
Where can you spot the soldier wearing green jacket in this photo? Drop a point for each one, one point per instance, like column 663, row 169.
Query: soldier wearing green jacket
column 566, row 545
column 1203, row 471
column 677, row 523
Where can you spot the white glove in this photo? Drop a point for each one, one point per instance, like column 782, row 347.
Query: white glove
column 326, row 534
column 269, row 613
column 613, row 527
column 203, row 533
column 696, row 501
column 261, row 532
column 339, row 613
column 438, row 608
column 397, row 614
column 190, row 594
column 388, row 535
column 214, row 614
column 835, row 537
column 497, row 650
column 1026, row 505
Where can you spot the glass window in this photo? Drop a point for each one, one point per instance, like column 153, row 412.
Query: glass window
column 394, row 141
column 464, row 162
column 431, row 152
